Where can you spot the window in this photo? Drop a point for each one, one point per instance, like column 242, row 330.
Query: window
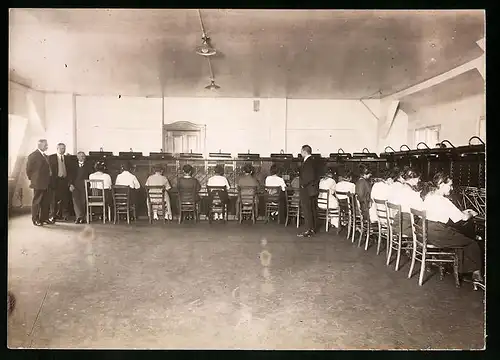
column 428, row 135
column 17, row 129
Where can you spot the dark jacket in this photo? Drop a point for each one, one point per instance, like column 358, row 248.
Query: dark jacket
column 309, row 180
column 38, row 171
column 363, row 190
column 77, row 175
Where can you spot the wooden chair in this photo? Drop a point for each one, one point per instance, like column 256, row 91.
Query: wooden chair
column 324, row 213
column 428, row 253
column 382, row 221
column 122, row 203
column 397, row 241
column 345, row 215
column 156, row 200
column 362, row 223
column 292, row 205
column 96, row 197
column 188, row 204
column 215, row 204
column 352, row 212
column 272, row 196
column 247, row 202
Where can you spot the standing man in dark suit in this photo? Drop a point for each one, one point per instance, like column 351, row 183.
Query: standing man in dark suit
column 39, row 174
column 79, row 171
column 59, row 209
column 309, row 185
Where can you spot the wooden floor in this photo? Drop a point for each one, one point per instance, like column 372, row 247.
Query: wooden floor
column 223, row 286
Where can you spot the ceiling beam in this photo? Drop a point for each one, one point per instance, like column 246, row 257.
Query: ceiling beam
column 474, row 64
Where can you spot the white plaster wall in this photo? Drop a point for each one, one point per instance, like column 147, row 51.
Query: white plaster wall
column 118, row 124
column 327, row 125
column 459, row 120
column 60, row 121
column 232, row 125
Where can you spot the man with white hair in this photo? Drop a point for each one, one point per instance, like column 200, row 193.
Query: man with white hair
column 39, row 173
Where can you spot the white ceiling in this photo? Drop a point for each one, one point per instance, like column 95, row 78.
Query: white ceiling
column 264, row 53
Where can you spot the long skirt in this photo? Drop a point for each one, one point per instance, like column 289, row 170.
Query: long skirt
column 443, row 235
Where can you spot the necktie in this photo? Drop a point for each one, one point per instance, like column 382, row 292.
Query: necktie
column 47, row 160
column 62, row 168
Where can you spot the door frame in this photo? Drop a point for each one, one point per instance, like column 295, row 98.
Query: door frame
column 186, row 126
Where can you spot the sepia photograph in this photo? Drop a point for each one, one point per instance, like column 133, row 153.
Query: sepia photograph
column 246, row 179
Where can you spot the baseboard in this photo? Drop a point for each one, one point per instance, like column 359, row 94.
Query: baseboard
column 17, row 211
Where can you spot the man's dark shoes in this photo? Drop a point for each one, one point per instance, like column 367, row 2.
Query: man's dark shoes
column 37, row 223
column 50, row 221
column 78, row 221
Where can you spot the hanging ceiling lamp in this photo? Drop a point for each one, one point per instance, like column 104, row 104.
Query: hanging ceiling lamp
column 213, row 85
column 205, row 49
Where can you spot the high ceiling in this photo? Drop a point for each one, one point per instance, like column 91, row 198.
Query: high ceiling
column 263, row 53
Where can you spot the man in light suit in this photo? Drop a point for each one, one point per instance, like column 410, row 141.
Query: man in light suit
column 309, row 190
column 60, row 164
column 39, row 173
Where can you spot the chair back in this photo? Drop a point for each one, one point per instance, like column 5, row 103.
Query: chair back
column 419, row 227
column 323, row 199
column 214, row 191
column 187, row 196
column 121, row 196
column 357, row 207
column 351, row 203
column 94, row 191
column 381, row 210
column 247, row 194
column 292, row 197
column 272, row 194
column 156, row 194
column 395, row 219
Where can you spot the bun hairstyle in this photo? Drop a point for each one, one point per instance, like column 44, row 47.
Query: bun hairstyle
column 274, row 169
column 364, row 170
column 248, row 169
column 219, row 170
column 409, row 173
column 125, row 166
column 431, row 186
column 100, row 166
column 187, row 169
column 157, row 168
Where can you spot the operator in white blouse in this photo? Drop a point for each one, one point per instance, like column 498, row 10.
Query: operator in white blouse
column 403, row 192
column 381, row 190
column 126, row 178
column 449, row 227
column 328, row 183
column 345, row 184
column 274, row 179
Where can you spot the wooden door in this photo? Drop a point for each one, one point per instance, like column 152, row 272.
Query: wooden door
column 183, row 141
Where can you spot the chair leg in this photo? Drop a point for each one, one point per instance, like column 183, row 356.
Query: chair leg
column 368, row 229
column 298, row 218
column 115, row 217
column 398, row 256
column 413, row 259
column 455, row 270
column 389, row 252
column 88, row 214
column 348, row 225
column 361, row 228
column 104, row 215
column 180, row 216
column 128, row 215
column 379, row 240
column 326, row 221
column 422, row 270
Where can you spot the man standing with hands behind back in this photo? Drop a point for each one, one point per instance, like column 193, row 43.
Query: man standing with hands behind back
column 79, row 172
column 39, row 173
column 309, row 184
column 59, row 164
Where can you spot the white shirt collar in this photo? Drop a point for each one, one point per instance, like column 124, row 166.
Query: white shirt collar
column 306, row 157
column 43, row 152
